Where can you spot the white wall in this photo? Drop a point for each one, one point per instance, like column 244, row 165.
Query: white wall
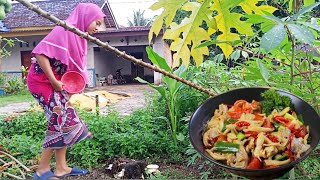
column 13, row 62
column 104, row 62
column 162, row 49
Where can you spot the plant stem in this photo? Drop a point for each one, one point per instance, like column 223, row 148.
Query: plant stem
column 173, row 120
column 292, row 62
column 291, row 37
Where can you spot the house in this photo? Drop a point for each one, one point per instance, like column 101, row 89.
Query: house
column 27, row 26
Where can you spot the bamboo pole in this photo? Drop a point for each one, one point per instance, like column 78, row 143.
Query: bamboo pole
column 106, row 46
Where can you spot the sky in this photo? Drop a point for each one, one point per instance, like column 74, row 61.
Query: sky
column 123, row 9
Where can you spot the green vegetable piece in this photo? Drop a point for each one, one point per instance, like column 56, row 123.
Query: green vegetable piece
column 230, row 121
column 7, row 7
column 273, row 100
column 280, row 157
column 300, row 118
column 2, row 13
column 289, row 116
column 276, row 125
column 292, row 118
column 240, row 136
column 221, row 146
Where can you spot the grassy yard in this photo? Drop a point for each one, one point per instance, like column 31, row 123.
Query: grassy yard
column 8, row 99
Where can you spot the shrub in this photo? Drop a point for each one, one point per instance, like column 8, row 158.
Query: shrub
column 28, row 147
column 31, row 124
column 15, row 86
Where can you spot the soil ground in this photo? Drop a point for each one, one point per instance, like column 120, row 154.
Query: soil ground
column 135, row 99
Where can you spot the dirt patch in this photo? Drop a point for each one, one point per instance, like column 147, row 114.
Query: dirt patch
column 170, row 172
column 134, row 98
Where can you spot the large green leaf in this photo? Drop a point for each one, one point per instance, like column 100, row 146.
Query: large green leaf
column 311, row 25
column 308, row 2
column 227, row 20
column 174, row 85
column 256, row 19
column 218, row 15
column 303, row 34
column 157, row 60
column 190, row 34
column 207, row 43
column 250, row 7
column 273, row 37
column 275, row 19
column 263, row 70
column 235, row 55
column 302, row 11
column 170, row 8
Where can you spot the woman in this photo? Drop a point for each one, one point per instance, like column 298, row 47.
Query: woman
column 61, row 51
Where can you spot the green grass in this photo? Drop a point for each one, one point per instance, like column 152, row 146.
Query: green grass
column 9, row 99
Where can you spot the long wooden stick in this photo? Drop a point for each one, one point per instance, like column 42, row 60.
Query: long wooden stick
column 110, row 48
column 16, row 160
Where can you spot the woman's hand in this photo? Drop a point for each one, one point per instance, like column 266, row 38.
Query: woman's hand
column 57, row 85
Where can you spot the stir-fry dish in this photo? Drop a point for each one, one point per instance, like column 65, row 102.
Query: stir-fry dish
column 243, row 135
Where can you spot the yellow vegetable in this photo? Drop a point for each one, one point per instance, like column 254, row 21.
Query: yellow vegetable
column 289, row 116
column 292, row 118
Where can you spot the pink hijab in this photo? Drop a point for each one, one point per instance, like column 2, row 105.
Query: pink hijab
column 68, row 47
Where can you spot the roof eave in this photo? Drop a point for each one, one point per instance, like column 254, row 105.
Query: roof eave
column 106, row 2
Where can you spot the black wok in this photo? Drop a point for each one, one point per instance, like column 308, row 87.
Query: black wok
column 205, row 112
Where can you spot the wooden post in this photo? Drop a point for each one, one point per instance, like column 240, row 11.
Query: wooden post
column 97, row 106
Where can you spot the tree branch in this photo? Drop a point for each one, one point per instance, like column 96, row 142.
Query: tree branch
column 23, row 166
column 107, row 47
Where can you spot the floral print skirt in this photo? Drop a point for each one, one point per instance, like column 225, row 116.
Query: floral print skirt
column 64, row 125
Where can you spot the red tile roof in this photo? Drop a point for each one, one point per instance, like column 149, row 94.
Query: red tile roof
column 21, row 17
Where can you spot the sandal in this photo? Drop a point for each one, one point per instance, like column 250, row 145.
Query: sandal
column 46, row 175
column 74, row 172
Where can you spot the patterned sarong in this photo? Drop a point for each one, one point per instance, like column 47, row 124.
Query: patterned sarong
column 64, row 126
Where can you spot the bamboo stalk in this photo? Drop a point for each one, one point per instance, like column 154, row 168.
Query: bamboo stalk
column 106, row 46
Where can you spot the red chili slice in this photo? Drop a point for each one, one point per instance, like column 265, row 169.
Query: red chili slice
column 282, row 119
column 255, row 163
column 273, row 138
column 252, row 133
column 242, row 123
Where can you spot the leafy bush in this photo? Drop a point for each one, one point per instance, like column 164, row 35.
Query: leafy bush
column 156, row 105
column 15, row 86
column 2, row 79
column 137, row 136
column 27, row 146
column 31, row 124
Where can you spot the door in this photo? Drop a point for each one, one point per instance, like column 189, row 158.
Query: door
column 25, row 61
column 136, row 70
